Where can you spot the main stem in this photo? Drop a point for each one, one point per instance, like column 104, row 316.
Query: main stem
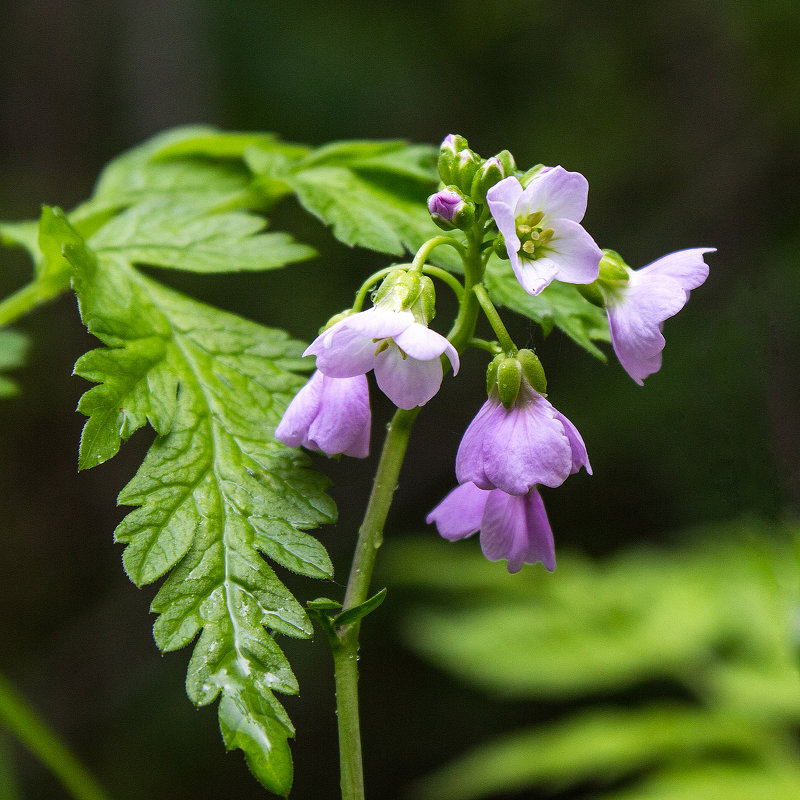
column 345, row 647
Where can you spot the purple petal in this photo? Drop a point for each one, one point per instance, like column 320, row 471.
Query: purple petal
column 514, row 449
column 459, row 514
column 574, row 251
column 685, row 266
column 342, row 353
column 556, row 192
column 502, row 201
column 635, row 320
column 580, row 458
column 517, row 529
column 407, row 382
column 329, row 414
column 343, row 422
column 293, row 427
column 534, row 275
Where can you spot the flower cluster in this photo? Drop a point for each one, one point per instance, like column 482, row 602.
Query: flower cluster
column 518, row 441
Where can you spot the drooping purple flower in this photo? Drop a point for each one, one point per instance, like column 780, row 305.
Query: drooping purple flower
column 515, row 448
column 512, row 527
column 329, row 414
column 637, row 311
column 404, row 353
column 540, row 226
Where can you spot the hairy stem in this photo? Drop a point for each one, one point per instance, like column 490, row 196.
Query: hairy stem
column 24, row 723
column 345, row 647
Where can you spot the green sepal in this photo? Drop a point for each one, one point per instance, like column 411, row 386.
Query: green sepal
column 360, row 611
column 323, row 604
column 592, row 293
column 533, row 370
column 509, row 378
column 451, row 146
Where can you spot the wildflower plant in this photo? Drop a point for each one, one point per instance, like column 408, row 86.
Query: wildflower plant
column 226, row 496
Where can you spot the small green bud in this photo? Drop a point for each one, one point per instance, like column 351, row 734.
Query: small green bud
column 491, row 372
column 509, row 378
column 451, row 146
column 507, row 163
column 592, row 293
column 533, row 370
column 528, row 176
column 465, row 166
column 499, row 246
column 488, row 174
column 336, row 318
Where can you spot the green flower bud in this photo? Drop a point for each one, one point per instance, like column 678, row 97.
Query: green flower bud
column 592, row 293
column 533, row 370
column 488, row 174
column 451, row 146
column 449, row 209
column 499, row 246
column 465, row 166
column 509, row 378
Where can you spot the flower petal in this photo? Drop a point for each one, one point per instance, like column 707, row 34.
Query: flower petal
column 534, row 275
column 504, row 529
column 407, row 382
column 424, row 344
column 293, row 427
column 469, row 459
column 502, row 201
column 685, row 266
column 459, row 514
column 556, row 192
column 574, row 251
column 635, row 320
column 343, row 422
column 580, row 458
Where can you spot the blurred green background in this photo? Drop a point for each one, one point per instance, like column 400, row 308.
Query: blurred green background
column 684, row 117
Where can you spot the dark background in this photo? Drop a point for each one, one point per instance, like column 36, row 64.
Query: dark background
column 684, row 116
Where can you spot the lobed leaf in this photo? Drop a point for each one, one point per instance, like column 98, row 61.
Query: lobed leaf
column 215, row 489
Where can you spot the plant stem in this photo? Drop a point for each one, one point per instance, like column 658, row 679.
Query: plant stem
column 345, row 648
column 24, row 723
column 32, row 295
column 494, row 320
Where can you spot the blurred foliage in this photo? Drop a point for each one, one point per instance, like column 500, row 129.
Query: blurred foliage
column 13, row 351
column 679, row 667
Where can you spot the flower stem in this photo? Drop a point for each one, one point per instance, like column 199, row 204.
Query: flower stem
column 32, row 295
column 494, row 320
column 345, row 646
column 24, row 723
column 427, row 247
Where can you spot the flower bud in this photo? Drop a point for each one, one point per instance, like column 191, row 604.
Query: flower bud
column 533, row 370
column 509, row 378
column 451, row 146
column 465, row 166
column 499, row 245
column 492, row 171
column 450, row 209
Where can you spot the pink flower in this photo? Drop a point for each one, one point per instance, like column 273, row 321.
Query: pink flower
column 329, row 414
column 540, row 225
column 515, row 448
column 637, row 311
column 512, row 527
column 404, row 353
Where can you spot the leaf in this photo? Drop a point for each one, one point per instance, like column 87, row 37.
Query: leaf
column 559, row 305
column 194, row 236
column 360, row 611
column 215, row 488
column 13, row 352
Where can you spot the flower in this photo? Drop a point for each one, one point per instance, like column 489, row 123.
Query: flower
column 329, row 414
column 403, row 352
column 515, row 448
column 638, row 308
column 513, row 527
column 540, row 226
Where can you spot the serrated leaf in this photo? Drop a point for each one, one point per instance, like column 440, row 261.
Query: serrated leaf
column 13, row 352
column 559, row 305
column 360, row 611
column 194, row 236
column 214, row 489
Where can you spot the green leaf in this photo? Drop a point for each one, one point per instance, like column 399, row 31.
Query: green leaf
column 324, row 604
column 360, row 611
column 13, row 352
column 560, row 305
column 215, row 488
column 194, row 236
column 23, row 234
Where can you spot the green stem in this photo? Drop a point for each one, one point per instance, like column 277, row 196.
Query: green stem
column 32, row 295
column 427, row 247
column 345, row 648
column 23, row 722
column 503, row 336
